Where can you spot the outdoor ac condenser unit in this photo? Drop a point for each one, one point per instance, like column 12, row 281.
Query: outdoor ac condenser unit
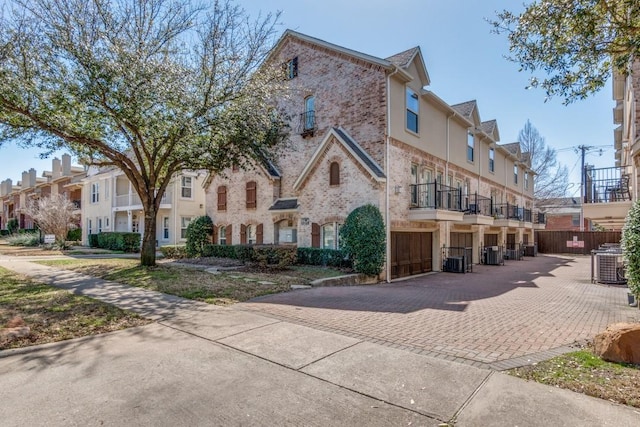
column 455, row 264
column 610, row 269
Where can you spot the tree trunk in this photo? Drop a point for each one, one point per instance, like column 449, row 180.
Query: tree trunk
column 148, row 250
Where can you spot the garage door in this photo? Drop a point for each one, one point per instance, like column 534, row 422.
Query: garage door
column 410, row 253
column 491, row 240
column 461, row 240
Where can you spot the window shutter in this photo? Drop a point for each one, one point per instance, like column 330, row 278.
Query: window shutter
column 222, row 198
column 243, row 234
column 215, row 235
column 259, row 233
column 228, row 234
column 251, row 195
column 334, row 174
column 315, row 235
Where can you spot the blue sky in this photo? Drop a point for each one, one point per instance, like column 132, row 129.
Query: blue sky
column 464, row 60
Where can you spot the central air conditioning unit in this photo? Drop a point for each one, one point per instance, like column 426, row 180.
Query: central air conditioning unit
column 454, row 264
column 610, row 268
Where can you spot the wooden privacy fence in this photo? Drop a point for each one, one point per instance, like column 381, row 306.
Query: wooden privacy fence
column 574, row 242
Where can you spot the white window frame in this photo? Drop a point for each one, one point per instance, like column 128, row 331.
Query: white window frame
column 412, row 94
column 471, row 147
column 333, row 240
column 492, row 159
column 515, row 174
column 526, row 180
column 106, row 223
column 251, row 234
column 165, row 227
column 184, row 186
column 184, row 224
column 89, row 226
column 99, row 222
column 222, row 235
column 95, row 192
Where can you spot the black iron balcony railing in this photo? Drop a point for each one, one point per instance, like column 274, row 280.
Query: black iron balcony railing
column 540, row 218
column 605, row 185
column 307, row 123
column 77, row 204
column 479, row 205
column 506, row 211
column 434, row 195
column 525, row 214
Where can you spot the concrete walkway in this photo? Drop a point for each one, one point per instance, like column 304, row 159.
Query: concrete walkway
column 206, row 365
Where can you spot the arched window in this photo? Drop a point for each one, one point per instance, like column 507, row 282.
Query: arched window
column 334, row 174
column 222, row 235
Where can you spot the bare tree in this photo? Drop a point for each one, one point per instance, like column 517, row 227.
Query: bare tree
column 551, row 178
column 152, row 87
column 54, row 215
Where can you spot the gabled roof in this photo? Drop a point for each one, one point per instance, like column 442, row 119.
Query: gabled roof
column 490, row 127
column 351, row 146
column 404, row 59
column 513, row 148
column 465, row 109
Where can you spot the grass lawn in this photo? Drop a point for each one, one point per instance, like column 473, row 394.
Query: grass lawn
column 586, row 373
column 224, row 288
column 53, row 314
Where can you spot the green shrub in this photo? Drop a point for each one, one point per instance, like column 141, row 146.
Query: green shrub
column 199, row 234
column 24, row 239
column 29, row 231
column 244, row 253
column 174, row 251
column 274, row 256
column 74, row 234
column 4, row 232
column 13, row 225
column 324, row 257
column 631, row 248
column 93, row 240
column 119, row 241
column 363, row 239
column 219, row 251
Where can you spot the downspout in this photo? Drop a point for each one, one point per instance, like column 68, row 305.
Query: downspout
column 387, row 171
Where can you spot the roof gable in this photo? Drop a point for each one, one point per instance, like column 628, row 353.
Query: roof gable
column 490, row 127
column 345, row 141
column 468, row 110
column 411, row 56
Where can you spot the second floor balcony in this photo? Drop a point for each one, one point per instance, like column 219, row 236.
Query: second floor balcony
column 132, row 201
column 436, row 201
column 607, row 195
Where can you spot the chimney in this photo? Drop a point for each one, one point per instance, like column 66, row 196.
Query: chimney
column 32, row 177
column 8, row 186
column 25, row 180
column 56, row 168
column 3, row 184
column 66, row 165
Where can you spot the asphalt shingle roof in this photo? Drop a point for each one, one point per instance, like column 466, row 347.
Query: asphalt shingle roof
column 284, row 204
column 402, row 59
column 366, row 159
column 465, row 108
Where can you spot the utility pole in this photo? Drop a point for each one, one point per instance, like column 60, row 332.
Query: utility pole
column 583, row 193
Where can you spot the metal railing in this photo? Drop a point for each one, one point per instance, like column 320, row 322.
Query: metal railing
column 434, row 195
column 479, row 205
column 540, row 218
column 492, row 255
column 513, row 251
column 506, row 211
column 132, row 199
column 307, row 123
column 605, row 185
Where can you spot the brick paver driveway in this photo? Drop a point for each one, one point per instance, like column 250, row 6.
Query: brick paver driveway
column 497, row 316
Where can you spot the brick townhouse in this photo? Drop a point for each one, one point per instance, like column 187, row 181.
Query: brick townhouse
column 63, row 178
column 368, row 130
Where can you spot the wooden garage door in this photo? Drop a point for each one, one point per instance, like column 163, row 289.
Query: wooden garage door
column 410, row 253
column 461, row 240
column 491, row 240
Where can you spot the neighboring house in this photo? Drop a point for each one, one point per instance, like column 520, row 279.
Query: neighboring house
column 609, row 192
column 112, row 204
column 62, row 179
column 564, row 214
column 365, row 130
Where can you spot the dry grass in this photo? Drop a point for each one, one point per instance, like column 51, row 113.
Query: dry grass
column 53, row 314
column 583, row 372
column 224, row 288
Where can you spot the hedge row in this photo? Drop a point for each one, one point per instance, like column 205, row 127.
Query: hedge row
column 267, row 255
column 74, row 234
column 324, row 257
column 116, row 241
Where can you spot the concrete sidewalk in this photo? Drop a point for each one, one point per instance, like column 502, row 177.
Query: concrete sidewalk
column 206, row 365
